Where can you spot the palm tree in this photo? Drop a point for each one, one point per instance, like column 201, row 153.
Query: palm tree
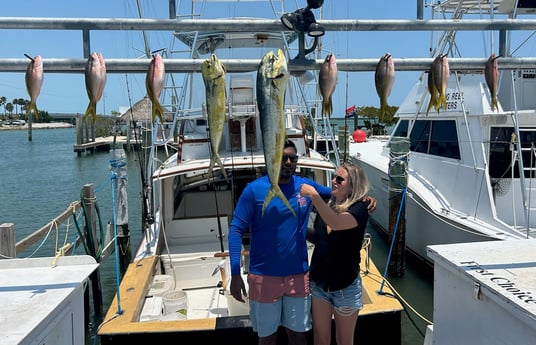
column 15, row 102
column 9, row 108
column 3, row 101
column 21, row 104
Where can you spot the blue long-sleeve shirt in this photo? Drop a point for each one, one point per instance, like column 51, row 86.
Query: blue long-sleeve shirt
column 277, row 243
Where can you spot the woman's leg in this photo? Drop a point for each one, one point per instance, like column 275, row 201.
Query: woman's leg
column 322, row 315
column 345, row 326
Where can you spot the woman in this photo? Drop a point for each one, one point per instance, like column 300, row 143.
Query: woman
column 339, row 230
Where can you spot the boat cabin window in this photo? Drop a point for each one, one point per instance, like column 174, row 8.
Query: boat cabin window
column 501, row 156
column 434, row 137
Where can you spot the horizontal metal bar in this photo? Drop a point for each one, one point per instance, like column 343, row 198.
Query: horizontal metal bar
column 235, row 25
column 247, row 65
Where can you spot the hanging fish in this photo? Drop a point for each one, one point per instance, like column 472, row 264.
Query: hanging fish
column 103, row 76
column 272, row 77
column 384, row 79
column 95, row 79
column 327, row 81
column 441, row 72
column 154, row 83
column 433, row 92
column 213, row 72
column 491, row 74
column 34, row 80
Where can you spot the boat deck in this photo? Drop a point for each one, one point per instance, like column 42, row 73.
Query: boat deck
column 381, row 311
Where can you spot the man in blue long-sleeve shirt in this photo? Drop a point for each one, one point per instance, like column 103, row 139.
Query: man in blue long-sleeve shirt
column 278, row 274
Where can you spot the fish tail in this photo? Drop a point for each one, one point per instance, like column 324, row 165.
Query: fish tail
column 33, row 106
column 442, row 102
column 493, row 102
column 91, row 110
column 273, row 192
column 157, row 111
column 267, row 200
column 216, row 159
column 431, row 104
column 383, row 108
column 329, row 107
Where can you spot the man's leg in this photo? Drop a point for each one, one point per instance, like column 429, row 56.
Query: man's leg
column 269, row 340
column 296, row 338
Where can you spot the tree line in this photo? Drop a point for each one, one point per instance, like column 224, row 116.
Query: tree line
column 17, row 109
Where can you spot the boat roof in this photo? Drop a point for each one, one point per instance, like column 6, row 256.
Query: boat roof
column 239, row 161
column 206, row 42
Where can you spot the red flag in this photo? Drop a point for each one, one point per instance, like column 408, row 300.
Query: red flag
column 350, row 111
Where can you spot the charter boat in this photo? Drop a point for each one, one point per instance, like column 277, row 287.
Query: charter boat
column 467, row 171
column 176, row 288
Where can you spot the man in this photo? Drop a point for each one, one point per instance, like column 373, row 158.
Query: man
column 278, row 275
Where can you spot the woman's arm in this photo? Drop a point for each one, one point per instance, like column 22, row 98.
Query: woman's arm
column 334, row 221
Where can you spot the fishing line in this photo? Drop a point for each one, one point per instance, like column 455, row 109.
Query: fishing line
column 146, row 216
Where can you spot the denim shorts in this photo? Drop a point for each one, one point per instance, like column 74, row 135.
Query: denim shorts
column 342, row 300
column 293, row 313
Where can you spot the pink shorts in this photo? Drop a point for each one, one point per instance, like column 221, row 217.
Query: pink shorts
column 268, row 289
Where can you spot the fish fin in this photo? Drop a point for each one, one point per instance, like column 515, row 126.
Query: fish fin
column 329, row 107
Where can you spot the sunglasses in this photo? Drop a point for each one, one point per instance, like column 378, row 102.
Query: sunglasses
column 293, row 158
column 338, row 179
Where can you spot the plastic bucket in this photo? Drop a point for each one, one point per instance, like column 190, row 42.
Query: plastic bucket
column 175, row 305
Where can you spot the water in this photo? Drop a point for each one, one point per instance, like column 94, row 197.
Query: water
column 39, row 179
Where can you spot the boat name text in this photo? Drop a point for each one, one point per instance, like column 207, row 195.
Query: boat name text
column 453, row 98
column 503, row 283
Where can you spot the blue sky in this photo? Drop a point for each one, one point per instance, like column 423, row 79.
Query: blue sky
column 66, row 92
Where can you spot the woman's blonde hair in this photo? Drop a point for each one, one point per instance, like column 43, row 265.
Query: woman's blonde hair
column 358, row 186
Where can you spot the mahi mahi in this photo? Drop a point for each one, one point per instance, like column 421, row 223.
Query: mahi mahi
column 272, row 77
column 327, row 81
column 154, row 83
column 213, row 72
column 491, row 74
column 34, row 80
column 384, row 78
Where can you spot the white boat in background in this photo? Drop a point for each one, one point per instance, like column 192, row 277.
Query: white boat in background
column 176, row 288
column 471, row 171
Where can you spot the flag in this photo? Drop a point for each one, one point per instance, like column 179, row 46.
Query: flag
column 350, row 111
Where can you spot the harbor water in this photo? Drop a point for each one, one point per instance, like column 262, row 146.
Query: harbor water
column 41, row 178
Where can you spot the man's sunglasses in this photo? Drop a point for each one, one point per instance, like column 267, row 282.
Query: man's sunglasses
column 338, row 179
column 293, row 158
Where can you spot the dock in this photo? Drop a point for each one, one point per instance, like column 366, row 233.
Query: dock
column 106, row 143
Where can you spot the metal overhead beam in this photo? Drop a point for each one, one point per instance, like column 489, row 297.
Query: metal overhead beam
column 230, row 25
column 250, row 65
